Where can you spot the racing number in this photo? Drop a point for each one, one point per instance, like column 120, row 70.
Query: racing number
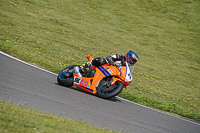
column 77, row 80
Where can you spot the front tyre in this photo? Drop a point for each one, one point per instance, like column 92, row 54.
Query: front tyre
column 65, row 77
column 106, row 92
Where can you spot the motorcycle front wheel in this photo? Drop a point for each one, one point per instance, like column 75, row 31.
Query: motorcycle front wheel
column 65, row 77
column 108, row 92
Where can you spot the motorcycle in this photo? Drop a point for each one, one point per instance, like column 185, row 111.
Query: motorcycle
column 107, row 82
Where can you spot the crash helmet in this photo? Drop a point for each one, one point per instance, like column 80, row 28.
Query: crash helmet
column 131, row 57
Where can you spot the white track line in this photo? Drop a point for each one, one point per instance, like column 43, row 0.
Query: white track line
column 185, row 119
column 26, row 63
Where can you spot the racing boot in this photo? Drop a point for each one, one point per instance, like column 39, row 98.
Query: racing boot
column 77, row 70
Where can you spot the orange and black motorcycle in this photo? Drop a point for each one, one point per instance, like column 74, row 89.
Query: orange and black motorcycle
column 107, row 82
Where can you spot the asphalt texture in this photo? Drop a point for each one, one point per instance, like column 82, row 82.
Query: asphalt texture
column 34, row 88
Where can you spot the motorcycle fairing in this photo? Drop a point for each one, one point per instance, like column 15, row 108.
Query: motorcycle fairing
column 128, row 77
column 89, row 84
column 83, row 83
column 104, row 71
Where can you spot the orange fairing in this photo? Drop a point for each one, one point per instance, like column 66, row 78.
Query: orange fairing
column 90, row 84
column 84, row 83
column 123, row 73
column 122, row 76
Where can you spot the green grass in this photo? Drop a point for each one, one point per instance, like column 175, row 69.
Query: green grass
column 164, row 33
column 18, row 119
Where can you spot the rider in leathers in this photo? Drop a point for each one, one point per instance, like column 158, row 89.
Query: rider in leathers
column 115, row 60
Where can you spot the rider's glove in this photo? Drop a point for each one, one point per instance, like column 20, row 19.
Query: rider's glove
column 110, row 61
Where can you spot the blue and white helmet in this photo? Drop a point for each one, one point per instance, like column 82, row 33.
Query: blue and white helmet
column 131, row 57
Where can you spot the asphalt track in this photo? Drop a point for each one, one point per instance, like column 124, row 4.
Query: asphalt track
column 22, row 83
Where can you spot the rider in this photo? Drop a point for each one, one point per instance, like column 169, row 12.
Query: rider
column 119, row 60
column 115, row 60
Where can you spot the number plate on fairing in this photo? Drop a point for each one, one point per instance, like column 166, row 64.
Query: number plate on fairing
column 77, row 80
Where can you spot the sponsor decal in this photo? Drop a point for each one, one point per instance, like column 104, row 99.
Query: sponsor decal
column 84, row 82
column 110, row 71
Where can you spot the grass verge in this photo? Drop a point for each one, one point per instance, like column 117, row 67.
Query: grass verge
column 18, row 119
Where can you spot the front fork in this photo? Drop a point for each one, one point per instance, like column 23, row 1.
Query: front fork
column 111, row 81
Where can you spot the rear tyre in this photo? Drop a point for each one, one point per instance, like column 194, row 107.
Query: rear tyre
column 65, row 77
column 106, row 92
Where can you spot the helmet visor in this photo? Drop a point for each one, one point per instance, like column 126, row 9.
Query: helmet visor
column 132, row 60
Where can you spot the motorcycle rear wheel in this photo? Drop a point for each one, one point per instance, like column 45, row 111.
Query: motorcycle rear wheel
column 65, row 77
column 108, row 92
